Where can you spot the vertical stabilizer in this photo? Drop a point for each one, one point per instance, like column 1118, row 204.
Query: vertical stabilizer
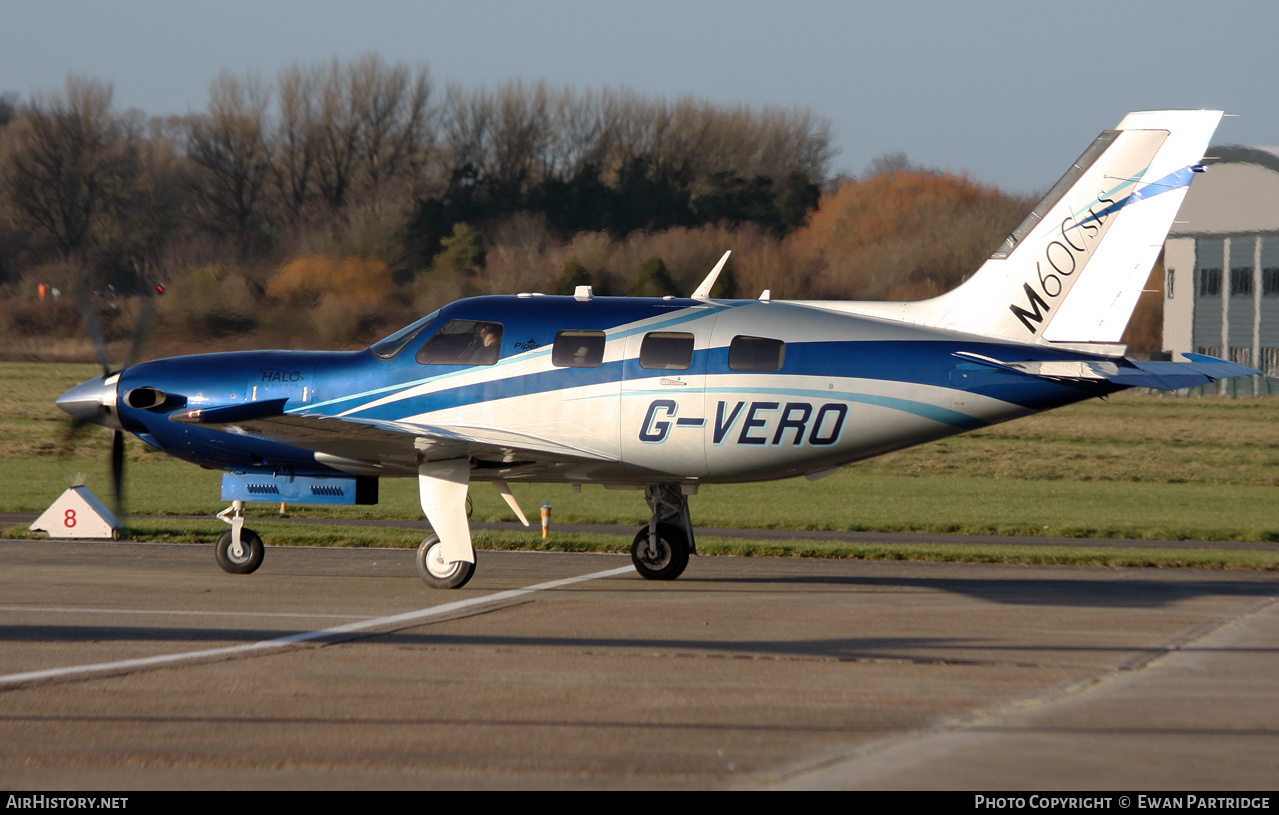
column 1073, row 269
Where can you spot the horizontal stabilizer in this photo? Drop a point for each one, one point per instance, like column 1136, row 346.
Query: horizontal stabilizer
column 1128, row 373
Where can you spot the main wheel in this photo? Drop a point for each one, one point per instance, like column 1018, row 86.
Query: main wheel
column 438, row 573
column 247, row 562
column 672, row 553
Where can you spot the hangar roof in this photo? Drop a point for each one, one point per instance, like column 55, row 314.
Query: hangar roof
column 1238, row 195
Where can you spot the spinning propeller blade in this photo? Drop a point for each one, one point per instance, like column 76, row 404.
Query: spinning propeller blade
column 117, row 470
column 91, row 402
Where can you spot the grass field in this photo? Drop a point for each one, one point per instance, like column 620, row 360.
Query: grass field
column 1137, row 466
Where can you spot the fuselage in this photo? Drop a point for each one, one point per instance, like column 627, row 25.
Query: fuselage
column 645, row 390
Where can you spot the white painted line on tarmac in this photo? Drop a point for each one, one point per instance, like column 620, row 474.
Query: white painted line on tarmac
column 294, row 639
column 176, row 612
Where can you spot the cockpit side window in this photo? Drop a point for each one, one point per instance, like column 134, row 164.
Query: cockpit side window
column 391, row 346
column 463, row 342
column 578, row 349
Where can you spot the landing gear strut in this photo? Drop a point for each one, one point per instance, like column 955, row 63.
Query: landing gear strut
column 661, row 549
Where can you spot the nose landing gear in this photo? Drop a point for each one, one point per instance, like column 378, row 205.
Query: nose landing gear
column 239, row 551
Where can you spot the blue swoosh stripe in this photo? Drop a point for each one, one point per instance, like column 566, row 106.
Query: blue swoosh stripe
column 612, row 335
column 920, row 363
column 1172, row 181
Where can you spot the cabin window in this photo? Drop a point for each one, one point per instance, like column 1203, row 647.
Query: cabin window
column 394, row 344
column 667, row 351
column 1241, row 281
column 463, row 342
column 578, row 349
column 1270, row 282
column 756, row 354
column 1209, row 282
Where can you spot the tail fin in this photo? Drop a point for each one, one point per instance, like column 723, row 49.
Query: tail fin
column 1073, row 269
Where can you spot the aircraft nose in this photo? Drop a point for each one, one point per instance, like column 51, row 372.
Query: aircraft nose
column 92, row 402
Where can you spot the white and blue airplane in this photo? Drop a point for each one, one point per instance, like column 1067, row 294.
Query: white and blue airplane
column 664, row 395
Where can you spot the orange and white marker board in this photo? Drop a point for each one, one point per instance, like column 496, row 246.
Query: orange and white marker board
column 77, row 514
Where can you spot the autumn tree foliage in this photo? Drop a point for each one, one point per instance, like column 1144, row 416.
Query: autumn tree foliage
column 304, row 281
column 902, row 234
column 344, row 296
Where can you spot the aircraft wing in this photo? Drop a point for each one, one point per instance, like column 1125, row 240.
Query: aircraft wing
column 1129, row 373
column 379, row 445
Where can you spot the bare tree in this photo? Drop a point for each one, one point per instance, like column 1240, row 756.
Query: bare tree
column 234, row 146
column 151, row 203
column 374, row 124
column 698, row 139
column 576, row 134
column 391, row 107
column 297, row 137
column 626, row 128
column 338, row 138
column 8, row 107
column 519, row 135
column 894, row 162
column 467, row 128
column 66, row 163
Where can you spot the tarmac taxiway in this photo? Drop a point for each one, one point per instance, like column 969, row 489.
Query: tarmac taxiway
column 143, row 666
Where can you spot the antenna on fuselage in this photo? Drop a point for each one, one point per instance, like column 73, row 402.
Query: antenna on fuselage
column 703, row 292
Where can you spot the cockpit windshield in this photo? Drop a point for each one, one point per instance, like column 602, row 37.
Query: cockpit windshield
column 394, row 344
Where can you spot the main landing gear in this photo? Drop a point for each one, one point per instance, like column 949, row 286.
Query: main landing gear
column 661, row 549
column 435, row 571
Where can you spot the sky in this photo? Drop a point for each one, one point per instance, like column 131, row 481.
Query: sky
column 1008, row 92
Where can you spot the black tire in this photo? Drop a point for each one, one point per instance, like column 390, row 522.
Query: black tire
column 249, row 561
column 435, row 572
column 672, row 557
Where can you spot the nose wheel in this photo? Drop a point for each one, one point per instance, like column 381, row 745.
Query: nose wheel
column 242, row 559
column 239, row 551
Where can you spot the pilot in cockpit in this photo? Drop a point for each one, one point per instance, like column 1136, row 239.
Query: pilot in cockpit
column 484, row 346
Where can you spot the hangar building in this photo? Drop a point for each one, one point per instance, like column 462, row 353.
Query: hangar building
column 1221, row 265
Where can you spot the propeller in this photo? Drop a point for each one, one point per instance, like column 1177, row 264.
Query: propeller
column 94, row 401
